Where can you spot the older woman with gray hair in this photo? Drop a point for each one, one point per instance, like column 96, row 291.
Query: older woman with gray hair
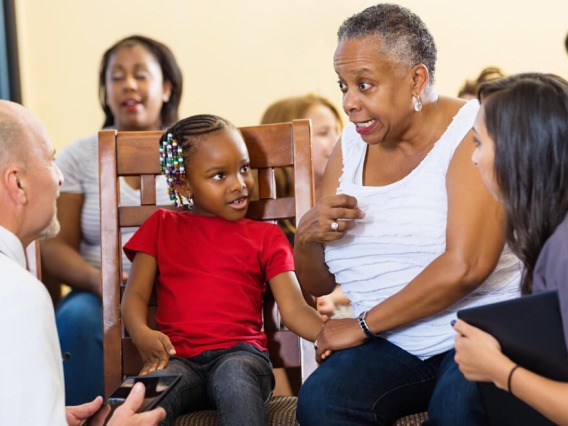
column 407, row 228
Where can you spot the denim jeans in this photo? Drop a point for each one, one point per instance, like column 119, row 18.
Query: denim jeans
column 79, row 321
column 456, row 400
column 236, row 382
column 378, row 382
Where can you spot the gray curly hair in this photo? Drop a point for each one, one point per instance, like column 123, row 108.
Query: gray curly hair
column 404, row 36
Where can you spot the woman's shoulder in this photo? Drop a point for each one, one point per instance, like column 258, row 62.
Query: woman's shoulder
column 455, row 108
column 551, row 267
column 455, row 120
column 558, row 241
column 78, row 162
column 81, row 148
column 86, row 141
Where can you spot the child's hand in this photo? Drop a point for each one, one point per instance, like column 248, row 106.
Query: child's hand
column 325, row 355
column 326, row 306
column 155, row 349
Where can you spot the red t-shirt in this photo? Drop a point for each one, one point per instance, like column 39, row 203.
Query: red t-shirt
column 212, row 275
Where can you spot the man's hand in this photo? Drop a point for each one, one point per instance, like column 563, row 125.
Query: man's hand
column 126, row 415
column 77, row 415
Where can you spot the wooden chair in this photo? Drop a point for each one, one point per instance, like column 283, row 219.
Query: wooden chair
column 136, row 153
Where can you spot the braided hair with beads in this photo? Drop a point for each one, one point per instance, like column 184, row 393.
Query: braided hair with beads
column 177, row 144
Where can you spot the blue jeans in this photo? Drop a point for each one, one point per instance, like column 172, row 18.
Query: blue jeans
column 236, row 382
column 378, row 382
column 80, row 326
column 455, row 400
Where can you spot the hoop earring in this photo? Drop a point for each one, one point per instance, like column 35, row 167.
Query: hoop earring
column 417, row 103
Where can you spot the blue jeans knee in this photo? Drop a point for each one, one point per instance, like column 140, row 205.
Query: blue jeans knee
column 374, row 383
column 236, row 381
column 455, row 400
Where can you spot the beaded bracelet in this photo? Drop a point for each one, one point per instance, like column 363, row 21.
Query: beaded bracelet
column 510, row 377
column 365, row 327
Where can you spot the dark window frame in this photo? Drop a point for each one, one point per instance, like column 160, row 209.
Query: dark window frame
column 10, row 87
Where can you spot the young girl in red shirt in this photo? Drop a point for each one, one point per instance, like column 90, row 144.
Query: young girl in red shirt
column 211, row 265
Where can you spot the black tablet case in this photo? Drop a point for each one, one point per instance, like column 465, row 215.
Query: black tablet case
column 530, row 331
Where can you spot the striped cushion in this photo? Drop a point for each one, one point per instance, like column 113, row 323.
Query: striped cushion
column 412, row 420
column 281, row 411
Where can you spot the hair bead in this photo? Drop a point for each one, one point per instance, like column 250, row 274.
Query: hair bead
column 171, row 166
column 180, row 139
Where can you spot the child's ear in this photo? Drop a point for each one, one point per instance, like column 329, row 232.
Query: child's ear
column 184, row 188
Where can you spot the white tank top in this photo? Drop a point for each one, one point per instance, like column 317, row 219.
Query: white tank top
column 403, row 231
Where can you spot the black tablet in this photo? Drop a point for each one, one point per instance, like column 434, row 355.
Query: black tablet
column 530, row 331
column 157, row 387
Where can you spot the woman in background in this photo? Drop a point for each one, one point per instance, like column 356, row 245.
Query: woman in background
column 326, row 126
column 140, row 86
column 470, row 87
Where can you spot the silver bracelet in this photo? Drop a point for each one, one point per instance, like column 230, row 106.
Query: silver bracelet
column 365, row 327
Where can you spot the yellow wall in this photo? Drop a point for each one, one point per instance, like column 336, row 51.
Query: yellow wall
column 239, row 55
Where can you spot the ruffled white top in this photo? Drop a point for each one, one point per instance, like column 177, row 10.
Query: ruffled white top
column 403, row 231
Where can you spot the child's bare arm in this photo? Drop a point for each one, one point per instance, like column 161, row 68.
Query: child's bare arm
column 154, row 347
column 298, row 316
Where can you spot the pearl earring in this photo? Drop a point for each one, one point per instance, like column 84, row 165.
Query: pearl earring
column 417, row 103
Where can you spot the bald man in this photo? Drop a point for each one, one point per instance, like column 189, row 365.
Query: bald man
column 31, row 372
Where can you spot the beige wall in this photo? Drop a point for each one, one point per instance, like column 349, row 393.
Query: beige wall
column 239, row 55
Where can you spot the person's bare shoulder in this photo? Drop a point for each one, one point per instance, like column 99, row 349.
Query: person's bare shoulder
column 443, row 113
column 450, row 105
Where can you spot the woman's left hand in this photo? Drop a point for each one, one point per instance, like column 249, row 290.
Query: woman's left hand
column 477, row 352
column 337, row 334
column 329, row 219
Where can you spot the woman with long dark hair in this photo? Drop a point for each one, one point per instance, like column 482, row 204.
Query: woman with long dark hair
column 521, row 136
